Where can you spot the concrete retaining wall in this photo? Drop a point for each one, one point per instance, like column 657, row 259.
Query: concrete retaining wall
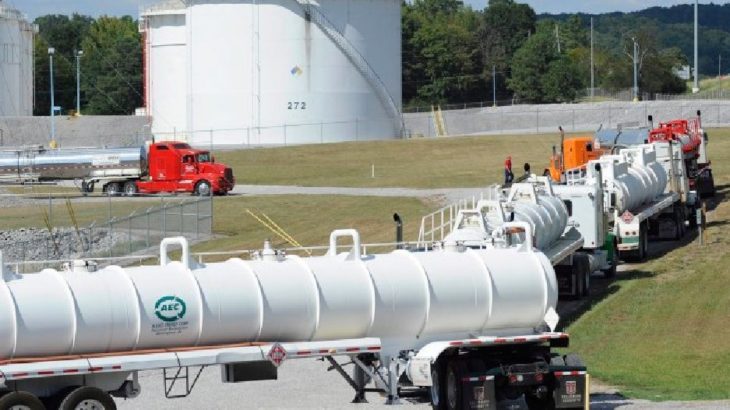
column 525, row 119
column 84, row 131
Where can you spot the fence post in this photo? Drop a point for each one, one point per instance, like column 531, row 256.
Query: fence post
column 321, row 132
column 129, row 232
column 148, row 228
column 50, row 212
column 164, row 218
column 537, row 120
column 197, row 218
column 182, row 217
column 284, row 134
column 573, row 120
column 211, row 140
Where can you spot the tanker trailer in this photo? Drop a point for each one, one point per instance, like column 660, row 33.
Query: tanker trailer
column 641, row 197
column 571, row 248
column 468, row 325
column 166, row 166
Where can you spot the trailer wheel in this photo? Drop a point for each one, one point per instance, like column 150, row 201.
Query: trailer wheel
column 202, row 188
column 21, row 400
column 113, row 189
column 130, row 188
column 455, row 372
column 88, row 398
column 437, row 386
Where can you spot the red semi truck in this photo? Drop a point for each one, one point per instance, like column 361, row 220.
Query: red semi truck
column 166, row 166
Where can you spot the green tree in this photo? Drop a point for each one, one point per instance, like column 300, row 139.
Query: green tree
column 561, row 82
column 504, row 28
column 441, row 57
column 529, row 65
column 64, row 34
column 112, row 66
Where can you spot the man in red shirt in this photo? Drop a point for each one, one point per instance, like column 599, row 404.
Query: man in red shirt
column 508, row 175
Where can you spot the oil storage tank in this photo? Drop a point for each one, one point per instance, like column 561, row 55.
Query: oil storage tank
column 16, row 63
column 250, row 72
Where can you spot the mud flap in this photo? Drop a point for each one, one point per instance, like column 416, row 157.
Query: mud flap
column 478, row 393
column 570, row 390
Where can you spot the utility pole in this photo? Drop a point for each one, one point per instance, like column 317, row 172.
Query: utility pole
column 494, row 85
column 51, row 52
column 696, row 87
column 557, row 36
column 636, row 69
column 79, row 54
column 593, row 85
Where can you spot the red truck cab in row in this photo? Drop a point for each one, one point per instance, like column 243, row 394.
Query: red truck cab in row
column 176, row 167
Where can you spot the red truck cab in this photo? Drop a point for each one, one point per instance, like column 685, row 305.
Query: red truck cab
column 176, row 167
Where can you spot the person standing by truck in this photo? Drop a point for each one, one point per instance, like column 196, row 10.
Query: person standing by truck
column 508, row 175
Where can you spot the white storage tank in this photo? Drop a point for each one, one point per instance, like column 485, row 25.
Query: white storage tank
column 16, row 63
column 254, row 72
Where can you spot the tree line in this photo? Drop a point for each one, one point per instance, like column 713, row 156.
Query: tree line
column 451, row 53
column 111, row 64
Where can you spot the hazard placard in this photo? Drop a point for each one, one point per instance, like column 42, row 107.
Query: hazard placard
column 277, row 354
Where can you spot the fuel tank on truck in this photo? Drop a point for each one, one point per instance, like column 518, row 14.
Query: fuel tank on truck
column 77, row 163
column 411, row 297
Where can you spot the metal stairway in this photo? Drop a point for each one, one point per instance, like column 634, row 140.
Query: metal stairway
column 314, row 14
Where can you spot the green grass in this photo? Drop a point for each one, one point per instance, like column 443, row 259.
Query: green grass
column 419, row 163
column 664, row 333
column 711, row 84
column 310, row 219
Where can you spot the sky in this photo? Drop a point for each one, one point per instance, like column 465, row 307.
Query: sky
column 35, row 8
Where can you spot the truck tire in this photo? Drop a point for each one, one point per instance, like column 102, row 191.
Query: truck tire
column 202, row 188
column 679, row 222
column 611, row 271
column 87, row 397
column 585, row 290
column 130, row 188
column 21, row 400
column 113, row 189
column 437, row 386
column 455, row 372
column 573, row 360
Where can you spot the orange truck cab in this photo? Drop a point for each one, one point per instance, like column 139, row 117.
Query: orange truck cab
column 575, row 153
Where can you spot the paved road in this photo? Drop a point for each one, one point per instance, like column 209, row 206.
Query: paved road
column 451, row 194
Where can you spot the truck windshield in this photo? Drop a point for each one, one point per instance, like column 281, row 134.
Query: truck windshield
column 204, row 157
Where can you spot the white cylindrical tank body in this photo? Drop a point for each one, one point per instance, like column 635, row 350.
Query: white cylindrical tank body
column 643, row 160
column 273, row 72
column 632, row 186
column 16, row 63
column 409, row 297
column 548, row 218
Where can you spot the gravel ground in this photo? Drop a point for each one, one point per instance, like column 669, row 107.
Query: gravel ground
column 33, row 244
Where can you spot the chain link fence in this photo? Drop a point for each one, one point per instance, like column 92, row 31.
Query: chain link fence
column 69, row 227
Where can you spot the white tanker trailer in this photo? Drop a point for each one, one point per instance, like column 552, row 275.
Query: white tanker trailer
column 475, row 327
column 534, row 201
column 643, row 192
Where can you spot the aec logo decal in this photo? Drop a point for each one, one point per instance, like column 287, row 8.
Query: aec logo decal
column 170, row 308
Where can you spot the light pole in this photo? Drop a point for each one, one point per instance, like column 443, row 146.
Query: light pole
column 636, row 69
column 79, row 54
column 51, row 52
column 696, row 87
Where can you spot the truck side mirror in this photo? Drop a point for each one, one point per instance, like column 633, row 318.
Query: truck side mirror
column 212, row 159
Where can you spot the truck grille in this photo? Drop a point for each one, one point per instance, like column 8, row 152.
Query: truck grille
column 229, row 175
